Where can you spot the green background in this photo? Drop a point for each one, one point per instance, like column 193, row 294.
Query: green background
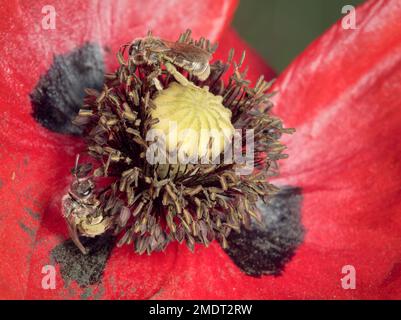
column 280, row 29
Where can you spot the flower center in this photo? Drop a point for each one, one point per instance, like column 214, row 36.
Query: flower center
column 192, row 121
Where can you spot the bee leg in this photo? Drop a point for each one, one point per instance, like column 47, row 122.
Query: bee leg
column 157, row 84
column 72, row 230
column 178, row 76
column 153, row 78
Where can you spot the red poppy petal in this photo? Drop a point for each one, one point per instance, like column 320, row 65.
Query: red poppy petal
column 342, row 95
column 35, row 162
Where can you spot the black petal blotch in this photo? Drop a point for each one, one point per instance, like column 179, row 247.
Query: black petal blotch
column 266, row 248
column 84, row 269
column 59, row 94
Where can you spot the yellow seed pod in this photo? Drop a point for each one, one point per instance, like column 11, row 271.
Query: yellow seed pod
column 193, row 121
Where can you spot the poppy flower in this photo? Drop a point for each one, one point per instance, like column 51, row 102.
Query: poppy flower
column 342, row 175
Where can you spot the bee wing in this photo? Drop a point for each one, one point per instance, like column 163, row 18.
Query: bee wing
column 187, row 55
column 66, row 205
column 158, row 45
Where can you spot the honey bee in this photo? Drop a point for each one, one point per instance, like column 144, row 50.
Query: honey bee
column 81, row 208
column 152, row 51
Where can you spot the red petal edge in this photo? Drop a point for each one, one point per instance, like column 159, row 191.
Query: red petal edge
column 342, row 95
